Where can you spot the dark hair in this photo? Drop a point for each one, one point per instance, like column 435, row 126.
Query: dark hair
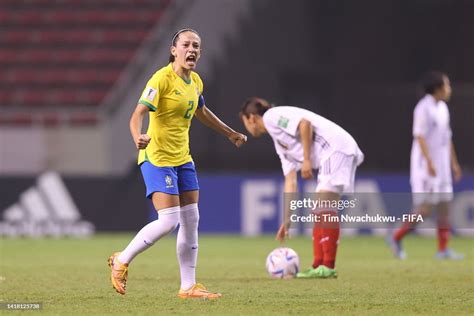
column 176, row 37
column 254, row 105
column 432, row 81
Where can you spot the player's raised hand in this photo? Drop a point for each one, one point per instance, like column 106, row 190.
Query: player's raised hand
column 237, row 139
column 307, row 170
column 282, row 233
column 142, row 141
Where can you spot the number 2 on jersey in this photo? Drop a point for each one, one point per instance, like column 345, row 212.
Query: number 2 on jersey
column 187, row 115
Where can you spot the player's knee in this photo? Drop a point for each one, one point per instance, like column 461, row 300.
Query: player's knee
column 189, row 216
column 193, row 220
column 169, row 218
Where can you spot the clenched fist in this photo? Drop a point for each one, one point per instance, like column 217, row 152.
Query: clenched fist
column 238, row 139
column 142, row 141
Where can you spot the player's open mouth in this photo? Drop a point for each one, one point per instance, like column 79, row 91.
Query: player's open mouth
column 191, row 60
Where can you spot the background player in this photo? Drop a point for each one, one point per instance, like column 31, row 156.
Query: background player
column 432, row 158
column 305, row 141
column 171, row 97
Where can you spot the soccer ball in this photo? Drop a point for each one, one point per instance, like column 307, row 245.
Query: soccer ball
column 283, row 263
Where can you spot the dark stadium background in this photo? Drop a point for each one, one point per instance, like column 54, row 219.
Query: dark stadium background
column 357, row 63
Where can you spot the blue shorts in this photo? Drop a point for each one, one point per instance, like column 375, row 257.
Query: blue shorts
column 169, row 180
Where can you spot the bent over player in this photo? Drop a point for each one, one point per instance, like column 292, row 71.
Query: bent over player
column 305, row 141
column 172, row 96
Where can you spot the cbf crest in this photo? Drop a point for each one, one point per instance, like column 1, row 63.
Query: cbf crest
column 169, row 181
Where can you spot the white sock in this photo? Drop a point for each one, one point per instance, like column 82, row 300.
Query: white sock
column 187, row 244
column 167, row 221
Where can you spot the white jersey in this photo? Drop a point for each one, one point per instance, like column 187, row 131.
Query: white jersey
column 431, row 121
column 282, row 123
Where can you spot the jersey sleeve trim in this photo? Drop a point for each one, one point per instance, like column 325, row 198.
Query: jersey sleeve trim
column 148, row 104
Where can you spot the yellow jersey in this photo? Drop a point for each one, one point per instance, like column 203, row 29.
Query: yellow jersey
column 172, row 102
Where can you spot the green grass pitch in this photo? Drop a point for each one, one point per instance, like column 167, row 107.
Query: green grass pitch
column 71, row 277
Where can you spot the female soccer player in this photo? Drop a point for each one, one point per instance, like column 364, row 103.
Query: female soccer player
column 172, row 96
column 432, row 158
column 306, row 141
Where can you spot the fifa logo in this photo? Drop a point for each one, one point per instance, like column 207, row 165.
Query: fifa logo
column 169, row 181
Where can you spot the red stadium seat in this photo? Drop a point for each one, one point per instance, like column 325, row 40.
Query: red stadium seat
column 68, row 53
column 66, row 56
column 60, row 76
column 75, row 37
column 21, row 119
column 88, row 118
column 4, row 97
column 6, row 56
column 50, row 119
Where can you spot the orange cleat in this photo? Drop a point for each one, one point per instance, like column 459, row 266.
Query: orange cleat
column 198, row 291
column 119, row 273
